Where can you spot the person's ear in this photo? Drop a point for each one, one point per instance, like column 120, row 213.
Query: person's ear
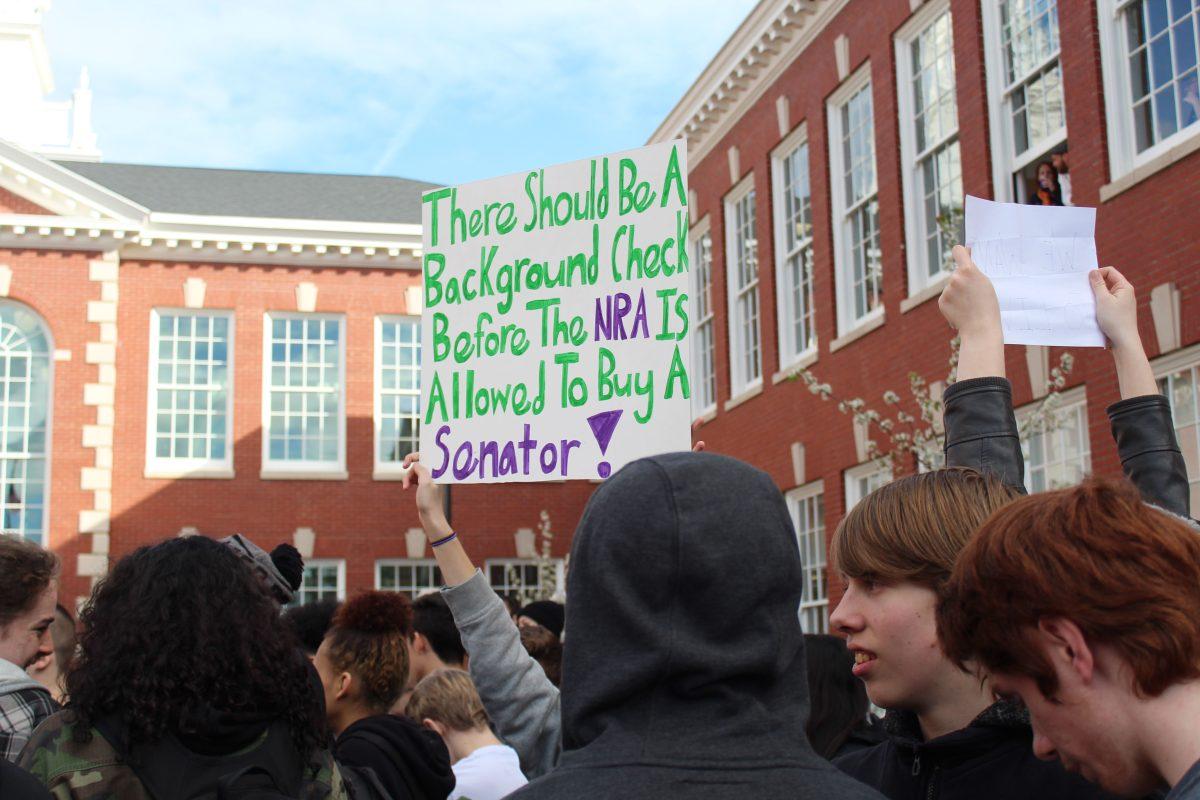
column 420, row 644
column 434, row 725
column 1067, row 648
column 344, row 683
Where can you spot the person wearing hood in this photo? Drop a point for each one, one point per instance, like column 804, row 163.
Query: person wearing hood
column 670, row 689
column 28, row 594
column 363, row 664
column 184, row 677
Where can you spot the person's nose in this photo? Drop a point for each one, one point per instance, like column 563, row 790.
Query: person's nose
column 1043, row 748
column 45, row 643
column 846, row 618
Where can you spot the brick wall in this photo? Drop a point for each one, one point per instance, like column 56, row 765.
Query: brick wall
column 12, row 204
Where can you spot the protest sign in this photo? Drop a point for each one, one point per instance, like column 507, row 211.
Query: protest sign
column 1038, row 259
column 555, row 329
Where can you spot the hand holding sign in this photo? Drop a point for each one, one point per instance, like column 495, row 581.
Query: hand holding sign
column 555, row 333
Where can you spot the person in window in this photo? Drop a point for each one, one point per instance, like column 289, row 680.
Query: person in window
column 1046, row 191
column 184, row 677
column 1059, row 161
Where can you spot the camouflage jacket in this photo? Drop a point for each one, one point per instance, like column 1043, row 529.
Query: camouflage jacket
column 93, row 770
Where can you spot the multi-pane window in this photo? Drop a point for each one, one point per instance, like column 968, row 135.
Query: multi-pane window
column 808, row 517
column 864, row 479
column 794, row 255
column 304, row 404
column 1025, row 92
column 856, row 208
column 413, row 577
column 704, row 373
column 189, row 389
column 1033, row 89
column 25, row 377
column 1161, row 46
column 1180, row 387
column 742, row 280
column 933, row 167
column 323, row 580
column 525, row 579
column 398, row 388
column 1057, row 450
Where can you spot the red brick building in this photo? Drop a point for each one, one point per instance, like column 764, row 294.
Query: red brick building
column 228, row 351
column 218, row 351
column 831, row 143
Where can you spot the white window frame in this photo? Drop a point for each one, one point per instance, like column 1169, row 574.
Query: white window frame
column 1118, row 97
column 789, row 357
column 1075, row 398
column 273, row 469
column 1004, row 163
column 339, row 563
column 739, row 382
column 1178, row 361
column 388, row 470
column 47, row 477
column 856, row 473
column 555, row 563
column 810, row 606
column 843, row 269
column 158, row 467
column 913, row 190
column 383, row 563
column 707, row 410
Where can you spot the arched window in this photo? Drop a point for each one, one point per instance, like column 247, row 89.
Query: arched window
column 25, row 377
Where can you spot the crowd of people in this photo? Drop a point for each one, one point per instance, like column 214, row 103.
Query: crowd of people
column 989, row 644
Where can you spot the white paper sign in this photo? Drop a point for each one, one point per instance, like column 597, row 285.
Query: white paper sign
column 1038, row 258
column 554, row 338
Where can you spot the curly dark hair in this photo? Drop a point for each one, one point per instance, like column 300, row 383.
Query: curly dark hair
column 25, row 572
column 367, row 639
column 180, row 629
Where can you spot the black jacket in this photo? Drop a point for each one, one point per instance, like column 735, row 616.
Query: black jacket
column 17, row 784
column 683, row 675
column 990, row 758
column 408, row 761
column 981, row 433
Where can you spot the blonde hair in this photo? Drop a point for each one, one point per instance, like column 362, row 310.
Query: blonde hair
column 448, row 696
column 913, row 528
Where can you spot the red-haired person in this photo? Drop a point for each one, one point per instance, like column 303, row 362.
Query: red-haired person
column 363, row 664
column 946, row 733
column 1084, row 605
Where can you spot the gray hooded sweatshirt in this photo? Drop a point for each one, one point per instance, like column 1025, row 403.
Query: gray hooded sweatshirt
column 684, row 672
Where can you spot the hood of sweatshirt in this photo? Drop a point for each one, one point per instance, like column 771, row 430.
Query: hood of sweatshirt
column 409, row 760
column 14, row 679
column 685, row 647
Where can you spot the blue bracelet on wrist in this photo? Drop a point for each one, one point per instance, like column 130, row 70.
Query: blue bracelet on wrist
column 441, row 542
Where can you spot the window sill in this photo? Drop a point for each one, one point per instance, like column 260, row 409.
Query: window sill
column 707, row 417
column 787, row 371
column 754, row 391
column 176, row 473
column 389, row 474
column 1151, row 167
column 276, row 474
column 928, row 293
column 856, row 333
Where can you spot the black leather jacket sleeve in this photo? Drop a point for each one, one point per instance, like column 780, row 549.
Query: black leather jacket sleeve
column 981, row 429
column 1150, row 456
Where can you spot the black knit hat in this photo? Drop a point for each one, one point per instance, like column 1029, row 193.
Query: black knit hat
column 547, row 613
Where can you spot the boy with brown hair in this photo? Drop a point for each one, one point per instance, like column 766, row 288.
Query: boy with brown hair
column 1082, row 604
column 446, row 702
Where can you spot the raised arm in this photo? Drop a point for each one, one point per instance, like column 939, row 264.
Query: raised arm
column 981, row 429
column 1141, row 419
column 521, row 701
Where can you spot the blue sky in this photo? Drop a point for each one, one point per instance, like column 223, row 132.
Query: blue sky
column 441, row 91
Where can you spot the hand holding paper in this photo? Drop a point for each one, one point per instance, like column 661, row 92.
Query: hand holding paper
column 1038, row 259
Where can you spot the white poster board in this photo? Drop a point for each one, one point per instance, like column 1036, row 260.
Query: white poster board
column 555, row 329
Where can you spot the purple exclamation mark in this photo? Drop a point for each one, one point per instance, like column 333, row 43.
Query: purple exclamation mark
column 603, row 425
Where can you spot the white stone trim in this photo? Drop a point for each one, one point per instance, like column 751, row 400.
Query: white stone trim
column 100, row 352
column 783, row 114
column 735, row 164
column 1037, row 361
column 194, row 290
column 841, row 55
column 6, row 274
column 798, row 463
column 1164, row 308
column 306, row 296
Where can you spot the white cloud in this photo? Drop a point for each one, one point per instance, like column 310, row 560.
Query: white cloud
column 355, row 85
